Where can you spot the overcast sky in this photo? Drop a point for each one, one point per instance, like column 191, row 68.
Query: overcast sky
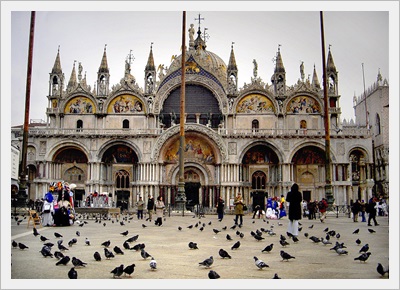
column 355, row 37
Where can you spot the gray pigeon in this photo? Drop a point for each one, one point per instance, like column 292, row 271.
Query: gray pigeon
column 63, row 261
column 117, row 272
column 213, row 275
column 363, row 257
column 78, row 263
column 268, row 248
column 46, row 252
column 153, row 264
column 260, row 263
column 382, row 270
column 144, row 254
column 364, row 248
column 286, row 256
column 207, row 262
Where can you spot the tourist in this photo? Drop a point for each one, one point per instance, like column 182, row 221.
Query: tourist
column 150, row 207
column 159, row 207
column 220, row 208
column 294, row 198
column 140, row 205
column 238, row 202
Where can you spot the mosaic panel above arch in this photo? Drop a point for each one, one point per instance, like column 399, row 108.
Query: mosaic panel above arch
column 196, row 148
column 80, row 105
column 125, row 104
column 303, row 105
column 255, row 103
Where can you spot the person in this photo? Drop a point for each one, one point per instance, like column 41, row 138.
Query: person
column 282, row 209
column 220, row 208
column 294, row 198
column 356, row 208
column 238, row 202
column 312, row 208
column 159, row 207
column 363, row 206
column 62, row 215
column 322, row 206
column 257, row 211
column 150, row 207
column 48, row 210
column 371, row 210
column 140, row 205
column 304, row 206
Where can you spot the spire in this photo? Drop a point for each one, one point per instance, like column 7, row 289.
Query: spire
column 57, row 64
column 232, row 60
column 199, row 43
column 379, row 77
column 72, row 80
column 279, row 63
column 330, row 64
column 315, row 81
column 150, row 61
column 104, row 66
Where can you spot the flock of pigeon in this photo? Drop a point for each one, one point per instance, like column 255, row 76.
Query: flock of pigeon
column 65, row 255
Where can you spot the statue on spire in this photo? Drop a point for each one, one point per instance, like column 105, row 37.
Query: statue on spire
column 302, row 71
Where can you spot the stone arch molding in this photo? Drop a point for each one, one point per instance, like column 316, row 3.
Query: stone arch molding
column 203, row 169
column 112, row 143
column 189, row 127
column 163, row 93
column 66, row 143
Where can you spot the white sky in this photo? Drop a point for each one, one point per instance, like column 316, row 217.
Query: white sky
column 355, row 38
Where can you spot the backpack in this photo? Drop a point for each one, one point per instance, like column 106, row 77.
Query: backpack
column 321, row 204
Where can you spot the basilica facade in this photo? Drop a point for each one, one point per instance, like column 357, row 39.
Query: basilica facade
column 123, row 139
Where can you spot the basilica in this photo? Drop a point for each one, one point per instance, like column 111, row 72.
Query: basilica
column 122, row 139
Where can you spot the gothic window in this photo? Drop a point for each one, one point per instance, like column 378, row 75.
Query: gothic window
column 122, row 179
column 357, row 165
column 79, row 125
column 258, row 180
column 75, row 174
column 378, row 125
column 255, row 125
column 125, row 124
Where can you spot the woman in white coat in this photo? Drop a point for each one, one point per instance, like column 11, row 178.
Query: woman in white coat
column 48, row 210
column 159, row 206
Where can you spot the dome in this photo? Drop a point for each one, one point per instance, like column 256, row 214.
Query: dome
column 208, row 60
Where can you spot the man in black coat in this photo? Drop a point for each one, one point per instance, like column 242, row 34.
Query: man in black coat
column 294, row 199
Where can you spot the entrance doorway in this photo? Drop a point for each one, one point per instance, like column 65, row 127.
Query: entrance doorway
column 259, row 198
column 192, row 194
column 79, row 194
column 122, row 199
column 307, row 195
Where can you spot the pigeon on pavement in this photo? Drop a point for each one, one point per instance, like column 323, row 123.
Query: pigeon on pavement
column 46, row 252
column 117, row 272
column 78, row 263
column 224, row 254
column 97, row 256
column 129, row 269
column 72, row 273
column 193, row 246
column 63, row 261
column 286, row 256
column 260, row 263
column 213, row 275
column 363, row 257
column 153, row 264
column 382, row 270
column 236, row 245
column 364, row 248
column 268, row 248
column 207, row 262
column 22, row 246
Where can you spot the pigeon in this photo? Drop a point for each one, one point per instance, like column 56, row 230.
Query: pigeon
column 233, row 227
column 295, row 239
column 179, row 228
column 216, row 231
column 14, row 244
column 268, row 248
column 358, row 241
column 213, row 275
column 341, row 251
column 125, row 233
column 207, row 262
column 132, row 239
column 78, row 233
column 326, row 230
column 153, row 264
column 129, row 269
column 57, row 235
column 106, row 243
column 283, row 243
column 325, row 241
column 315, row 239
column 382, row 270
column 236, row 245
column 117, row 272
column 283, row 238
column 108, row 253
column 144, row 226
column 193, row 246
column 201, row 229
column 78, row 263
column 224, row 228
column 276, row 276
column 63, row 261
column 310, row 227
column 22, row 246
column 97, row 256
column 43, row 238
column 58, row 255
column 356, row 231
column 224, row 254
column 228, row 237
column 87, row 242
column 61, row 247
column 122, row 223
column 118, row 250
column 144, row 254
column 300, row 228
column 260, row 263
column 35, row 232
column 189, row 227
column 209, row 223
column 306, row 235
column 363, row 257
column 371, row 231
column 72, row 274
column 259, row 238
column 286, row 256
column 48, row 244
column 364, row 248
column 241, row 235
column 126, row 245
column 72, row 242
column 46, row 252
column 137, row 247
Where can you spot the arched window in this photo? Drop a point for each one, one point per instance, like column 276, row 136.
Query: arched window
column 122, row 179
column 258, row 180
column 377, row 125
column 255, row 125
column 79, row 125
column 125, row 124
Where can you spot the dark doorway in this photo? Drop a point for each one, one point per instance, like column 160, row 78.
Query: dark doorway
column 307, row 195
column 122, row 199
column 79, row 194
column 192, row 194
column 259, row 198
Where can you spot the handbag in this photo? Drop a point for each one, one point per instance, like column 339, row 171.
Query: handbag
column 244, row 207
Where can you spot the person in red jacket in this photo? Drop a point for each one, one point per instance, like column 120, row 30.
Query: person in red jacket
column 322, row 206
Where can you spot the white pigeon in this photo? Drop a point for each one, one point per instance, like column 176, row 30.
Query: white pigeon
column 260, row 263
column 153, row 264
